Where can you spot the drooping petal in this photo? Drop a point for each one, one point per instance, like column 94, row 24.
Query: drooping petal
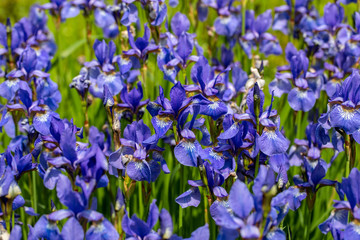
column 191, row 197
column 166, row 225
column 215, row 109
column 201, row 233
column 240, row 199
column 139, row 170
column 346, row 119
column 301, row 100
column 186, row 152
column 103, row 230
column 352, row 231
column 72, row 230
column 161, row 124
column 153, row 214
column 273, row 142
column 180, row 24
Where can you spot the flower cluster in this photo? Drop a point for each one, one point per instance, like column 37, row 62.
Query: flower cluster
column 197, row 125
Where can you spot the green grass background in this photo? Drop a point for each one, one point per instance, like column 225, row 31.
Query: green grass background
column 72, row 47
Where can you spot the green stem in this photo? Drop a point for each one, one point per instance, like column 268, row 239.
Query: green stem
column 8, row 212
column 144, row 83
column 7, row 220
column 298, row 124
column 209, row 199
column 13, row 219
column 22, row 216
column 243, row 15
column 350, row 158
column 212, row 130
column 206, row 207
column 141, row 199
column 182, row 187
column 85, row 107
column 34, row 190
column 176, row 136
column 88, row 35
column 8, row 35
column 58, row 41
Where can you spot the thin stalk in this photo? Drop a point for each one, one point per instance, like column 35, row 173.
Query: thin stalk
column 206, row 206
column 22, row 216
column 8, row 213
column 309, row 207
column 350, row 158
column 353, row 151
column 141, row 199
column 212, row 130
column 308, row 222
column 209, row 199
column 143, row 76
column 7, row 223
column 85, row 107
column 243, row 13
column 298, row 124
column 176, row 136
column 13, row 219
column 34, row 190
column 8, row 35
column 58, row 41
column 182, row 178
column 88, row 34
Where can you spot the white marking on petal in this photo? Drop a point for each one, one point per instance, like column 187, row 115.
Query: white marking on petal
column 347, row 114
column 213, row 106
column 161, row 123
column 43, row 117
column 11, row 83
column 139, row 165
column 302, row 94
column 189, row 146
column 356, row 228
column 215, row 155
column 270, row 134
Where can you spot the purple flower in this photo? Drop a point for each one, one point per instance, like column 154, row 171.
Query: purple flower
column 104, row 54
column 136, row 228
column 134, row 154
column 62, row 8
column 344, row 113
column 27, row 66
column 256, row 34
column 105, row 20
column 333, row 15
column 131, row 100
column 142, row 46
column 157, row 11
